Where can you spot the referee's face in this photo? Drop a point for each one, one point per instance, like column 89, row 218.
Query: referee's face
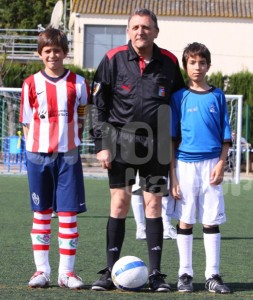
column 142, row 32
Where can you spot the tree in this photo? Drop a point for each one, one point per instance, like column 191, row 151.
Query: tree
column 21, row 14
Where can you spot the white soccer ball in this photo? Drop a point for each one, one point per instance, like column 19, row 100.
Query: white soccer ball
column 129, row 273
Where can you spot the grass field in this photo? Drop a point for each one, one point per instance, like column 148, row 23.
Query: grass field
column 16, row 258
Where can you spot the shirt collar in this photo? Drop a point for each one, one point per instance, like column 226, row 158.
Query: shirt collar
column 134, row 56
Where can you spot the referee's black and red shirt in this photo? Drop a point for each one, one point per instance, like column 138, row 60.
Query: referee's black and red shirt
column 123, row 94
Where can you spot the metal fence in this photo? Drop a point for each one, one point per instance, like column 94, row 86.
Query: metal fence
column 10, row 125
column 21, row 44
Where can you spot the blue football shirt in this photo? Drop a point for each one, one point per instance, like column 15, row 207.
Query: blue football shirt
column 200, row 120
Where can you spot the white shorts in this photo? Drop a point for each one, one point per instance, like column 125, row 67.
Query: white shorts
column 199, row 199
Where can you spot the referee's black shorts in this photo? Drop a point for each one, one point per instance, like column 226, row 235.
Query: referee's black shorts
column 135, row 152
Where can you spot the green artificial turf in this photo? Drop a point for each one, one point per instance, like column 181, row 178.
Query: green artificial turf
column 16, row 257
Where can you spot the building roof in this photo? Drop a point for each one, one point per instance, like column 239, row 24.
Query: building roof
column 184, row 8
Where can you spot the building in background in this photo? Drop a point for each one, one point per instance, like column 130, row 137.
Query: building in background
column 224, row 26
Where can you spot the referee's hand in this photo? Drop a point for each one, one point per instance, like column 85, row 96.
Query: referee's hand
column 104, row 157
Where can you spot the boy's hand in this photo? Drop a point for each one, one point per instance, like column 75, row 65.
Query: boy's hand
column 175, row 188
column 176, row 192
column 217, row 174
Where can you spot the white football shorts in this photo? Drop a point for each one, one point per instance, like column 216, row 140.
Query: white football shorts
column 199, row 200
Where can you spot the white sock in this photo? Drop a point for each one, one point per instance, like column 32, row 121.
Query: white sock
column 138, row 210
column 67, row 263
column 41, row 261
column 41, row 235
column 212, row 250
column 165, row 216
column 184, row 244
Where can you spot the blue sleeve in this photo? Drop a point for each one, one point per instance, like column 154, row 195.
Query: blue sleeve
column 226, row 126
column 175, row 115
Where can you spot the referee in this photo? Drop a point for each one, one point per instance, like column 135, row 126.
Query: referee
column 131, row 92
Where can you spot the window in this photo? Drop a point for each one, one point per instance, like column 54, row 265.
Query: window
column 98, row 40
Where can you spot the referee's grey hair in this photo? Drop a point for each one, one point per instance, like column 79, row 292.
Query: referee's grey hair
column 144, row 12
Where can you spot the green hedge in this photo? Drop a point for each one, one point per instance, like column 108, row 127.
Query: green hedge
column 17, row 72
column 238, row 84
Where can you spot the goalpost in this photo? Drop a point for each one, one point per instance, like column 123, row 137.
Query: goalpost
column 10, row 126
column 9, row 113
column 234, row 107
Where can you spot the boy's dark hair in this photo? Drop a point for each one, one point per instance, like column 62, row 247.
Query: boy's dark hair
column 52, row 37
column 144, row 12
column 196, row 49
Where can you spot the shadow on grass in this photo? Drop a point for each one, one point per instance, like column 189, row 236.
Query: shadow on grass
column 98, row 217
column 239, row 287
column 198, row 287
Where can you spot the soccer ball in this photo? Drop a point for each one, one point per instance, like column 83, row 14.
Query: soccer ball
column 129, row 273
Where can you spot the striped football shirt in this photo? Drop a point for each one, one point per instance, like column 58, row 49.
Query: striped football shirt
column 51, row 110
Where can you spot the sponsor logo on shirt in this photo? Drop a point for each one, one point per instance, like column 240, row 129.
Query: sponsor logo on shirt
column 192, row 109
column 53, row 113
column 58, row 113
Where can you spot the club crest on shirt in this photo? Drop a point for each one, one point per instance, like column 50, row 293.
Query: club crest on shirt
column 96, row 88
column 213, row 109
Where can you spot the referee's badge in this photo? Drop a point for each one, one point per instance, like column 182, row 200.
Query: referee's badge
column 96, row 88
column 161, row 92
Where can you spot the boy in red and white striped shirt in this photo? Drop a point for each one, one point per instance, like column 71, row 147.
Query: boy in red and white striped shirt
column 52, row 111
